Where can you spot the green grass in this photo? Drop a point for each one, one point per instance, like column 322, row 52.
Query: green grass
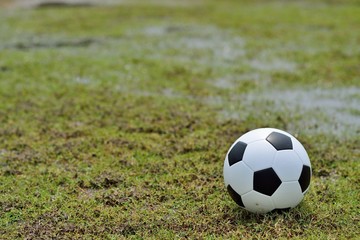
column 114, row 121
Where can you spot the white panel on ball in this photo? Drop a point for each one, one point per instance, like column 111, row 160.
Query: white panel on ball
column 300, row 150
column 227, row 171
column 287, row 165
column 255, row 135
column 259, row 155
column 257, row 202
column 242, row 175
column 287, row 195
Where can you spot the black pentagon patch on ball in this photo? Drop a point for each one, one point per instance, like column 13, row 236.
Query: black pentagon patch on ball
column 304, row 179
column 266, row 181
column 236, row 153
column 279, row 141
column 235, row 196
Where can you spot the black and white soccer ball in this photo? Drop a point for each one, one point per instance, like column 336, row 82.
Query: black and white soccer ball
column 267, row 169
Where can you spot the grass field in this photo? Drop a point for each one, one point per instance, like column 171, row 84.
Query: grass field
column 115, row 120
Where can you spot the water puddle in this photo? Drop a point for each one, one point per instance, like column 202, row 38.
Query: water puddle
column 205, row 46
column 83, row 80
column 329, row 111
column 278, row 65
column 312, row 111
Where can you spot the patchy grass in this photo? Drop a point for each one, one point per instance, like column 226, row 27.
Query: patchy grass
column 114, row 121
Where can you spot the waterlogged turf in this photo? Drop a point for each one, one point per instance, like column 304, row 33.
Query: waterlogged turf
column 115, row 120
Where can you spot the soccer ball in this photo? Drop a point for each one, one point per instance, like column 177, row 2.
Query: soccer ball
column 267, row 169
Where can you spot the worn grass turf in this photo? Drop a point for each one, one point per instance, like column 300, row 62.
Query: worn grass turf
column 114, row 121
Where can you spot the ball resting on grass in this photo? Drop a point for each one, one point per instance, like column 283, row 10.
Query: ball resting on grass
column 267, row 169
